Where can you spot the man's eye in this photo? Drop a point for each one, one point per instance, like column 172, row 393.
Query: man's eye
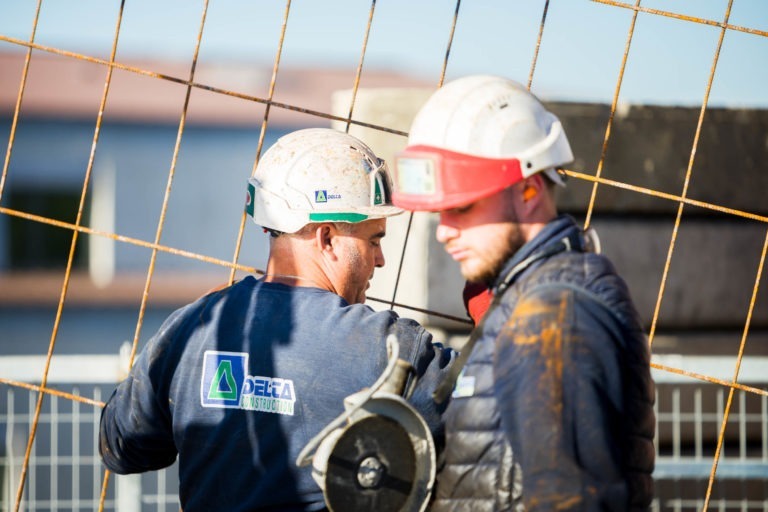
column 463, row 209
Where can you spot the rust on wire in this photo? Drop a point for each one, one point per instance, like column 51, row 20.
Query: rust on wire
column 161, row 221
column 538, row 44
column 51, row 391
column 359, row 71
column 597, row 179
column 355, row 88
column 190, row 83
column 262, row 134
column 19, row 98
column 441, row 80
column 68, row 270
column 166, row 197
column 127, row 239
column 687, row 179
column 683, row 17
column 665, row 195
column 710, row 379
column 452, row 32
column 185, row 254
column 721, row 437
column 614, row 103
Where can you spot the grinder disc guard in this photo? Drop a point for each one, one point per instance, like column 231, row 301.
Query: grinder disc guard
column 371, row 467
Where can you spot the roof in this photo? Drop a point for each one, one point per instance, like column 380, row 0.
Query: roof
column 155, row 91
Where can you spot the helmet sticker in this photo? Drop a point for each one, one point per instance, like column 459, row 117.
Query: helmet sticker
column 249, row 199
column 322, row 196
column 378, row 197
column 416, row 176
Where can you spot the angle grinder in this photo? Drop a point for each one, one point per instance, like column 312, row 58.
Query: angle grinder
column 379, row 454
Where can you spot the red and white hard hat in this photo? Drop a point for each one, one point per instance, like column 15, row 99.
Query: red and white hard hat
column 318, row 175
column 473, row 137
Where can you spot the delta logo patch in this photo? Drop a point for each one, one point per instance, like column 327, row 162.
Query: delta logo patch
column 322, row 196
column 226, row 384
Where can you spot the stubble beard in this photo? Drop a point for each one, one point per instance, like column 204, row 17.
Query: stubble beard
column 356, row 262
column 491, row 267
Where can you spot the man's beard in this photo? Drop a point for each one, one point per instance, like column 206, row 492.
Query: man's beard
column 492, row 267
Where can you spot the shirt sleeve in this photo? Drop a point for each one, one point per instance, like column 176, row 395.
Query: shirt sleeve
column 431, row 362
column 135, row 432
column 557, row 379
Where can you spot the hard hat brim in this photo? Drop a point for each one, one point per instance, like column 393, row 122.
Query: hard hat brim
column 434, row 179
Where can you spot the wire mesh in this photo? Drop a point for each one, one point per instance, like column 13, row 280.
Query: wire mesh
column 709, row 492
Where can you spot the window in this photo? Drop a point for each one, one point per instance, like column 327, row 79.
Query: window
column 37, row 245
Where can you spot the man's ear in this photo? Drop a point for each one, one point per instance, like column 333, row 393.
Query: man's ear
column 527, row 196
column 325, row 238
column 532, row 190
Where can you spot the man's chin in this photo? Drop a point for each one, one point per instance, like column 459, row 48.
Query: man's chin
column 470, row 273
column 478, row 273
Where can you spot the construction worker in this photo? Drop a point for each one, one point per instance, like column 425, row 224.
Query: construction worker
column 552, row 397
column 238, row 382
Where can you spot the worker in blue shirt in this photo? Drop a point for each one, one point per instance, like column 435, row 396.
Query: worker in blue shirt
column 238, row 382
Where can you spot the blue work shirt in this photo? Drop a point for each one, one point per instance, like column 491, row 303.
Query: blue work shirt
column 238, row 382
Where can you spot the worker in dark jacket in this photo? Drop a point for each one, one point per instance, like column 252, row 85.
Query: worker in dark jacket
column 553, row 408
column 237, row 383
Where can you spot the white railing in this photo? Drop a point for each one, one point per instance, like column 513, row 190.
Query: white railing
column 65, row 472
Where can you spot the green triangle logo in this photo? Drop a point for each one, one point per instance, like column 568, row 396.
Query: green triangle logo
column 320, row 196
column 377, row 193
column 223, row 385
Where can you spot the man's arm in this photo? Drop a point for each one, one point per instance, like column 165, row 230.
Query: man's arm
column 135, row 432
column 558, row 383
column 431, row 362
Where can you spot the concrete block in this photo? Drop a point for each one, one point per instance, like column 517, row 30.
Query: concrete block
column 715, row 259
column 712, row 273
column 651, row 147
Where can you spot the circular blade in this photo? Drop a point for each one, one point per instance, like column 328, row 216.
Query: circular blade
column 371, row 467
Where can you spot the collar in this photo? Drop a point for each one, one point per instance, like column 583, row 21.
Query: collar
column 560, row 234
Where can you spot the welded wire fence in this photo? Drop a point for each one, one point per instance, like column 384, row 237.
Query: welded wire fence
column 713, row 444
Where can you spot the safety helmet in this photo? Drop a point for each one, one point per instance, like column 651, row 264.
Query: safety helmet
column 473, row 137
column 318, row 175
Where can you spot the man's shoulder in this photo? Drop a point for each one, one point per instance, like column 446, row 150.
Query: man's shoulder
column 573, row 269
column 386, row 316
column 591, row 278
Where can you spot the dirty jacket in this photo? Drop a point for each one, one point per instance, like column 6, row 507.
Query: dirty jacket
column 238, row 382
column 554, row 408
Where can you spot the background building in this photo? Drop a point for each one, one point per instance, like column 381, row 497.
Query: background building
column 157, row 180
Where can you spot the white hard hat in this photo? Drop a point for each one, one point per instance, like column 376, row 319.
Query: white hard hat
column 318, row 175
column 473, row 137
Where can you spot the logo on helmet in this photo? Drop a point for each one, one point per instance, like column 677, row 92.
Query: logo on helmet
column 322, row 196
column 249, row 199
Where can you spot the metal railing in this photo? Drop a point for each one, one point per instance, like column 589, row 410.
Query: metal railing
column 65, row 472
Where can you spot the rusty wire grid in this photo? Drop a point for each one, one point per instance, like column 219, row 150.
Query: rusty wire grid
column 588, row 176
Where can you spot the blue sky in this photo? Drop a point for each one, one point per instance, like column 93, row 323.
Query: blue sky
column 580, row 57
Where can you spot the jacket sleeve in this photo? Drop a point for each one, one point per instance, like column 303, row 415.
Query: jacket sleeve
column 135, row 432
column 431, row 361
column 557, row 378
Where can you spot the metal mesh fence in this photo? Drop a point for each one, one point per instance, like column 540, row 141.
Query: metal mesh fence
column 712, row 444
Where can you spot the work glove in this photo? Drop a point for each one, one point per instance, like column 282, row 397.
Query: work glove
column 477, row 298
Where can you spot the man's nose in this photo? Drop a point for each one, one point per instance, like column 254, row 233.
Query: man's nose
column 445, row 232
